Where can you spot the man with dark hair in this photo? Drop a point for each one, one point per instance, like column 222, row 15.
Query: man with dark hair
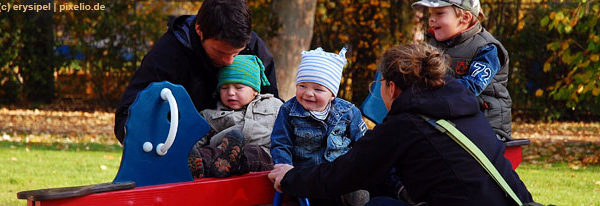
column 193, row 50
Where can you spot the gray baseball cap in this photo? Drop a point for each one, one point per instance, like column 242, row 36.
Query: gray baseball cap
column 472, row 6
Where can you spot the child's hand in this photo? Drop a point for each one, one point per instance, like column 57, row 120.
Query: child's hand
column 277, row 174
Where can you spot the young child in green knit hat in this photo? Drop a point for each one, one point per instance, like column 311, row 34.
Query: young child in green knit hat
column 241, row 125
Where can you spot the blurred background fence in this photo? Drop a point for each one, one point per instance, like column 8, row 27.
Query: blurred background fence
column 89, row 56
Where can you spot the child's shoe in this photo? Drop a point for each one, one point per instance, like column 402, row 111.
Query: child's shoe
column 228, row 162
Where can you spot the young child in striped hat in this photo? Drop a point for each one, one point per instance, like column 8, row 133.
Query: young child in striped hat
column 241, row 125
column 316, row 126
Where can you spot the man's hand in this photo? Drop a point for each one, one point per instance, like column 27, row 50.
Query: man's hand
column 277, row 174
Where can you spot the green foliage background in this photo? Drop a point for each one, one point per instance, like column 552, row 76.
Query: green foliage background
column 554, row 53
column 554, row 48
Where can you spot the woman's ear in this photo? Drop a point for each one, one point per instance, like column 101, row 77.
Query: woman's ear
column 394, row 91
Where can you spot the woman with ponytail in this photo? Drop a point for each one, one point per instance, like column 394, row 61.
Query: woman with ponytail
column 433, row 168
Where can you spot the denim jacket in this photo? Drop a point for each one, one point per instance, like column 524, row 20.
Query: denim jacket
column 301, row 140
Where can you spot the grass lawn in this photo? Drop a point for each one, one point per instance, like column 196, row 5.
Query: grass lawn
column 559, row 184
column 29, row 166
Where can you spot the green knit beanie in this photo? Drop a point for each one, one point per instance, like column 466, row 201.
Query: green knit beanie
column 246, row 69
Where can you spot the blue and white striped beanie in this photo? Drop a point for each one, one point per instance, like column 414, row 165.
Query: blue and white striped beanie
column 323, row 68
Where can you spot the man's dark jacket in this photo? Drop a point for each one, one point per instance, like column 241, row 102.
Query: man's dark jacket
column 432, row 167
column 178, row 57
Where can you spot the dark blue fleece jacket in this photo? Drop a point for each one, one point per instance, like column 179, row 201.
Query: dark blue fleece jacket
column 432, row 167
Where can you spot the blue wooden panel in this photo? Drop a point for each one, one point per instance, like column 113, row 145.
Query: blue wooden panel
column 373, row 107
column 148, row 122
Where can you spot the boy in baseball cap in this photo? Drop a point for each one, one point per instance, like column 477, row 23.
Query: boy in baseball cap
column 479, row 61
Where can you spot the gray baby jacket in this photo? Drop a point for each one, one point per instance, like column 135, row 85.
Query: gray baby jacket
column 255, row 121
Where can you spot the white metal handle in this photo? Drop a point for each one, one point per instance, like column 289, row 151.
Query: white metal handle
column 166, row 94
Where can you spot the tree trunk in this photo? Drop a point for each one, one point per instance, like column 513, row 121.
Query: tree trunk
column 294, row 20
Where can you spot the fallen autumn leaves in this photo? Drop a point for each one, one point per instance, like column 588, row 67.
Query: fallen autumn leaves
column 51, row 126
column 572, row 142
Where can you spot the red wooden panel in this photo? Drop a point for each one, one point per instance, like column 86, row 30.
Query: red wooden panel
column 250, row 189
column 513, row 154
